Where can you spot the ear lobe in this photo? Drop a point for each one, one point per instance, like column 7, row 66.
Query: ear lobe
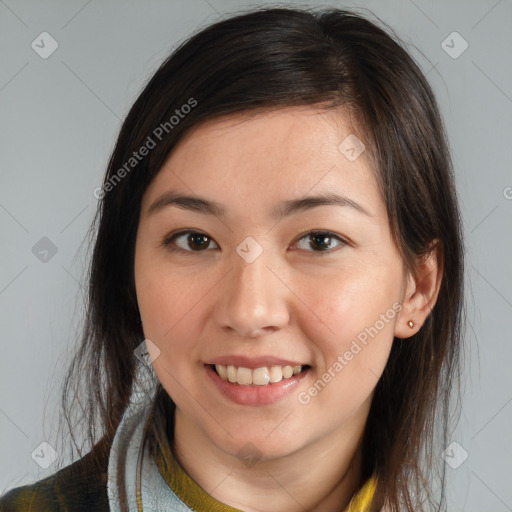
column 421, row 292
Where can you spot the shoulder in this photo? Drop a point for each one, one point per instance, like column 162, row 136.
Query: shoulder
column 81, row 486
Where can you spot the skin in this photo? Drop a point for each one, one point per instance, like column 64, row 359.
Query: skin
column 296, row 300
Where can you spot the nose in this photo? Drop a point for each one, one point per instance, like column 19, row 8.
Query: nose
column 253, row 300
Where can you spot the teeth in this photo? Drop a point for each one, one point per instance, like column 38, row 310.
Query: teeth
column 287, row 372
column 231, row 370
column 222, row 371
column 259, row 376
column 276, row 374
column 244, row 376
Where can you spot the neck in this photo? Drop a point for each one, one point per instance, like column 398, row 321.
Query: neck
column 319, row 477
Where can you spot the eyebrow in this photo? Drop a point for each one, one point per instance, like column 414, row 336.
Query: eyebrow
column 284, row 209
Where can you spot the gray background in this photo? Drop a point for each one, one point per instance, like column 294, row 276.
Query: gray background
column 59, row 120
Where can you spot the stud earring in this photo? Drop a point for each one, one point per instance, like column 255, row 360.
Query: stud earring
column 410, row 323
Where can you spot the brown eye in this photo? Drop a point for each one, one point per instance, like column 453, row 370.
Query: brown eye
column 188, row 241
column 321, row 241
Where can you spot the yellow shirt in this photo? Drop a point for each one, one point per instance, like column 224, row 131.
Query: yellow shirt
column 197, row 498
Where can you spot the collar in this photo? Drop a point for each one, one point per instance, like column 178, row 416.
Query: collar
column 195, row 496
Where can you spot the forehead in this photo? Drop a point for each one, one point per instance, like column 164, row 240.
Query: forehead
column 252, row 161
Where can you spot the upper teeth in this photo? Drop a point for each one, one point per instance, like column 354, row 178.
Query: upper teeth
column 259, row 376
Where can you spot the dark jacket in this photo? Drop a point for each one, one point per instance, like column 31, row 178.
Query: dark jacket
column 79, row 487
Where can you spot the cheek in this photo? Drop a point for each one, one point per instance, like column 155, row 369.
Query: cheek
column 351, row 321
column 168, row 306
column 344, row 304
column 168, row 302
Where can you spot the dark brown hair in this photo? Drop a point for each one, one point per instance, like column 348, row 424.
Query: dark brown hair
column 272, row 58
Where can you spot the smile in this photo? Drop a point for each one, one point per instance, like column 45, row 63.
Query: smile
column 258, row 376
column 240, row 384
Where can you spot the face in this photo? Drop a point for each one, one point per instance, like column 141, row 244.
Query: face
column 249, row 277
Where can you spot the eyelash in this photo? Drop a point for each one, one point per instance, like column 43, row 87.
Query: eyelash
column 166, row 242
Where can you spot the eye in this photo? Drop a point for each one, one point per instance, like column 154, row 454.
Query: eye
column 195, row 241
column 188, row 241
column 321, row 239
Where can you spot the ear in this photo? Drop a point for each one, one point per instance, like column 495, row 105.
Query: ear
column 421, row 292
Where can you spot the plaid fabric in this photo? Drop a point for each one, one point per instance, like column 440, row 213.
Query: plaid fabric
column 79, row 487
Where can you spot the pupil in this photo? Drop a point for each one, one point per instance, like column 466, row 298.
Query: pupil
column 321, row 240
column 198, row 240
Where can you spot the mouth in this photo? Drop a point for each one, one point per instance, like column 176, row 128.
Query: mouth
column 260, row 386
column 258, row 377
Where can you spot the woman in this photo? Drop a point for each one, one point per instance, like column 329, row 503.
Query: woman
column 276, row 289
